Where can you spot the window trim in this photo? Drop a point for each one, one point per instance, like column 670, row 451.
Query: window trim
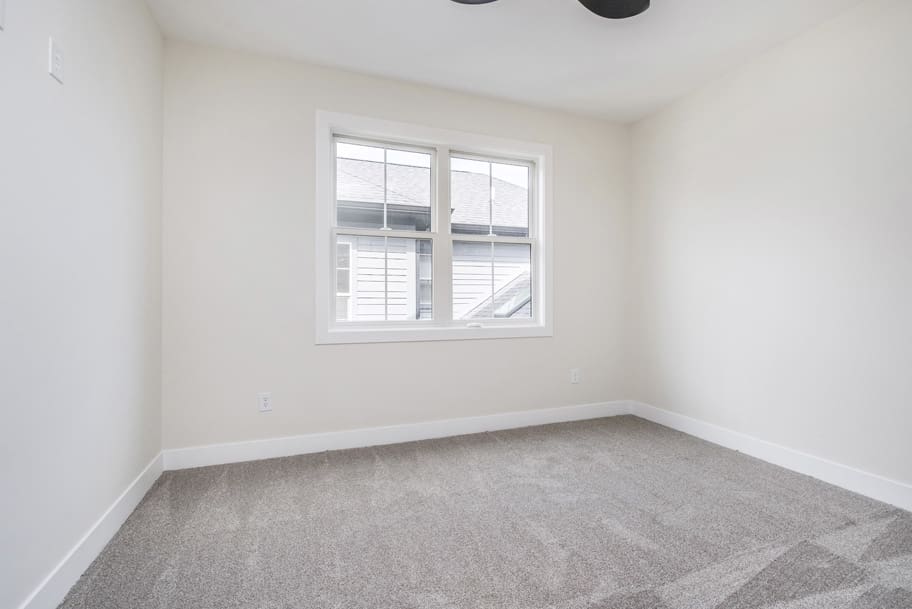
column 330, row 125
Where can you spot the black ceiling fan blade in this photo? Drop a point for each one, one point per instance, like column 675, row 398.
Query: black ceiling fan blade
column 616, row 9
column 610, row 9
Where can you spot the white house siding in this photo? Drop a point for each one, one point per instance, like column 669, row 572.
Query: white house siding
column 384, row 278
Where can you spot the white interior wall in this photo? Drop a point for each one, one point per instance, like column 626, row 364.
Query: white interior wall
column 239, row 260
column 80, row 245
column 771, row 250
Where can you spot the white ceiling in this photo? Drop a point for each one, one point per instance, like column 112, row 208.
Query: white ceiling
column 551, row 53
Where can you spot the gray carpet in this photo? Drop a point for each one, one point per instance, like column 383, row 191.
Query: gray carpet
column 608, row 514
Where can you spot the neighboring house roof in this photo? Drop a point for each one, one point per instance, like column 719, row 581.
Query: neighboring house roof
column 362, row 181
column 512, row 300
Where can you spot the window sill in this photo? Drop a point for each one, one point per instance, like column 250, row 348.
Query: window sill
column 356, row 335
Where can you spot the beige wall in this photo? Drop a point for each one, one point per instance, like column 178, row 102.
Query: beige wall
column 239, row 260
column 772, row 246
column 80, row 203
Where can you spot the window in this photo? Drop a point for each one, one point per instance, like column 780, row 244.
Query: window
column 425, row 234
column 343, row 281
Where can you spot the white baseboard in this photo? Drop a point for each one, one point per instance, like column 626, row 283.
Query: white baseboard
column 871, row 485
column 217, row 454
column 877, row 487
column 51, row 592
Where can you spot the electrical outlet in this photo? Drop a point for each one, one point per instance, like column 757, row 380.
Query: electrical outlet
column 264, row 401
column 55, row 60
column 576, row 376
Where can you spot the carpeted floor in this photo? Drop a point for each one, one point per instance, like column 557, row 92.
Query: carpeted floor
column 608, row 514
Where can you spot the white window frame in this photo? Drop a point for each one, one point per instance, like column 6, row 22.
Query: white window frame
column 330, row 125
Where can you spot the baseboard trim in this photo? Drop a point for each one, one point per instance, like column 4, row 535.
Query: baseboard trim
column 236, row 452
column 877, row 487
column 52, row 590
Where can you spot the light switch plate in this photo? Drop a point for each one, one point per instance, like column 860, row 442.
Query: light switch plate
column 55, row 60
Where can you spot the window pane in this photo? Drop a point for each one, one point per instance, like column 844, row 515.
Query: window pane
column 492, row 280
column 390, row 279
column 343, row 283
column 342, row 307
column 511, row 200
column 379, row 187
column 470, row 194
column 512, row 280
column 408, row 159
column 343, row 256
column 489, row 198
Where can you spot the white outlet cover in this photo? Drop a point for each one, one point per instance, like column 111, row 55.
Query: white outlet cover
column 55, row 60
column 264, row 401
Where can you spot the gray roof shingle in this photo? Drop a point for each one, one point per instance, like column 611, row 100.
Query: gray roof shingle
column 362, row 181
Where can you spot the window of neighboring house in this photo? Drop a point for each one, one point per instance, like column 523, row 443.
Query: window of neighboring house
column 343, row 281
column 435, row 235
column 425, row 270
